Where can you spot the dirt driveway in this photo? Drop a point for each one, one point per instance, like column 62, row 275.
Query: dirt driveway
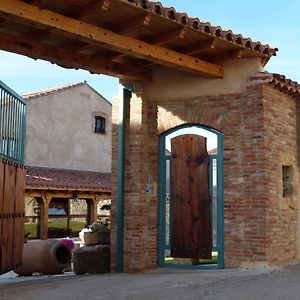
column 280, row 283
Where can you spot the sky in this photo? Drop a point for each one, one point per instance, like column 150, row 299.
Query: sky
column 272, row 22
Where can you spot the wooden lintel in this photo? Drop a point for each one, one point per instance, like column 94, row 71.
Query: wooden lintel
column 93, row 8
column 69, row 58
column 134, row 24
column 101, row 37
column 66, row 194
column 200, row 47
column 169, row 37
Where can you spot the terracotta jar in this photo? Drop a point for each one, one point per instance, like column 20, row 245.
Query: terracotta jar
column 44, row 256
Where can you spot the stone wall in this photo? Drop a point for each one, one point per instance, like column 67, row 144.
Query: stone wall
column 280, row 150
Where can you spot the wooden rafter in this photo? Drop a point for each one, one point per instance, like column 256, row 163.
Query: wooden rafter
column 159, row 40
column 105, row 38
column 169, row 37
column 68, row 58
column 93, row 9
column 134, row 24
column 200, row 47
column 238, row 53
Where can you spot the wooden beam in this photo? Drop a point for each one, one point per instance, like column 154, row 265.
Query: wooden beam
column 71, row 59
column 200, row 47
column 169, row 37
column 106, row 38
column 134, row 24
column 93, row 8
column 65, row 194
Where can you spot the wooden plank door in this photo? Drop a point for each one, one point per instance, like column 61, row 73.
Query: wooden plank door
column 12, row 182
column 191, row 234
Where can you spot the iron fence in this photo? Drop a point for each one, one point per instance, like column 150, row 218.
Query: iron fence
column 12, row 125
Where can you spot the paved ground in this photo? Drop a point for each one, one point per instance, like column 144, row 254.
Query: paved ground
column 281, row 283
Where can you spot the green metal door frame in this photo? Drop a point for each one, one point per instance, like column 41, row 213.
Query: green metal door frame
column 127, row 93
column 162, row 200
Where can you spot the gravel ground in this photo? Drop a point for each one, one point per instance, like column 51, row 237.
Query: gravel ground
column 279, row 283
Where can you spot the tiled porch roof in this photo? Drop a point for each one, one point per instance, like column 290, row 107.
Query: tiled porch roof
column 278, row 81
column 40, row 177
column 170, row 13
column 286, row 85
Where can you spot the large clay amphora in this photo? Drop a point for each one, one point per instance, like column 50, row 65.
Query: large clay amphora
column 44, row 256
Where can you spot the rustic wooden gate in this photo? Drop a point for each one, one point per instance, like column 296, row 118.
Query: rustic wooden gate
column 191, row 217
column 190, row 224
column 12, row 178
column 11, row 215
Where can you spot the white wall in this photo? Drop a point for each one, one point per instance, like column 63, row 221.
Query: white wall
column 60, row 130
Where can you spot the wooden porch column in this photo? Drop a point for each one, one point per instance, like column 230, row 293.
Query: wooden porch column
column 91, row 210
column 46, row 199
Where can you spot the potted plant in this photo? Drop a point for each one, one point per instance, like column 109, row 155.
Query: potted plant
column 96, row 233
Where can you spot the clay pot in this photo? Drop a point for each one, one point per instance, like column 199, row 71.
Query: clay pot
column 44, row 256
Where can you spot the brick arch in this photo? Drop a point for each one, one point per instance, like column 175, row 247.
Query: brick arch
column 170, row 119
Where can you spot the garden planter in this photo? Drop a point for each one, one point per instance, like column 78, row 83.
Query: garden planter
column 91, row 259
column 94, row 238
column 44, row 256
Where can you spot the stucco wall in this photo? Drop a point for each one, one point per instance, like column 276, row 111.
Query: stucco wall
column 174, row 85
column 60, row 130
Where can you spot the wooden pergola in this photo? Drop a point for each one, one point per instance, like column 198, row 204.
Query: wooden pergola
column 45, row 185
column 122, row 38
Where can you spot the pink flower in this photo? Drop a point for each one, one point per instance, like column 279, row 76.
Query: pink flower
column 68, row 242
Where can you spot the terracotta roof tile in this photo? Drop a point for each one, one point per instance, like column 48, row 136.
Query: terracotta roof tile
column 67, row 179
column 216, row 31
column 51, row 90
column 278, row 81
column 286, row 85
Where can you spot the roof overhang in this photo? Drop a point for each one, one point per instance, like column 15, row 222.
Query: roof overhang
column 122, row 38
column 279, row 82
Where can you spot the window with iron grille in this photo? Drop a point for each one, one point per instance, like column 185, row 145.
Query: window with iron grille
column 99, row 124
column 287, row 178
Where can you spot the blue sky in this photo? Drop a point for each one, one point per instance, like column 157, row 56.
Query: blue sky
column 276, row 23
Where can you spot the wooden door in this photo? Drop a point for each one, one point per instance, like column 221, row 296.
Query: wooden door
column 12, row 182
column 191, row 234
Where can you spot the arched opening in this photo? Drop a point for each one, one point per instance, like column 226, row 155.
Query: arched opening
column 190, row 212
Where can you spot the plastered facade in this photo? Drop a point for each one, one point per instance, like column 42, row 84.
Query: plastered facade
column 60, row 130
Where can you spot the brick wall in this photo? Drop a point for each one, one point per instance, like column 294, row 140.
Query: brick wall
column 239, row 117
column 281, row 149
column 259, row 226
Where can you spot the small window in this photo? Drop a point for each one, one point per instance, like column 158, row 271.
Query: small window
column 99, row 124
column 287, row 177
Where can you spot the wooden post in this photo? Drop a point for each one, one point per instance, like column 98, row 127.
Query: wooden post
column 44, row 216
column 91, row 210
column 68, row 213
